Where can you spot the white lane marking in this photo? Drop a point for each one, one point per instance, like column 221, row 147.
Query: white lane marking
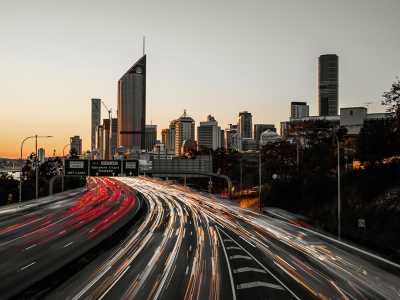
column 190, row 248
column 227, row 240
column 258, row 283
column 187, row 270
column 27, row 266
column 233, row 247
column 190, row 222
column 294, row 295
column 177, row 231
column 190, row 233
column 247, row 269
column 239, row 256
column 67, row 245
column 229, row 267
column 29, row 247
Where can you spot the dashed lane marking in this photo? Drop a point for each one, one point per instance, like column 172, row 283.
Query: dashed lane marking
column 257, row 284
column 247, row 269
column 240, row 256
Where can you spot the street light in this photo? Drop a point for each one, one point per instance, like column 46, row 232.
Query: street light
column 64, row 167
column 37, row 164
column 338, row 159
column 259, row 151
column 20, row 174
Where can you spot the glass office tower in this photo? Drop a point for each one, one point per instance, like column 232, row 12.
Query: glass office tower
column 328, row 85
column 132, row 106
column 96, row 113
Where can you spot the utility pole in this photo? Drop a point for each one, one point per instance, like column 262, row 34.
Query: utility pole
column 37, row 191
column 260, row 174
column 298, row 156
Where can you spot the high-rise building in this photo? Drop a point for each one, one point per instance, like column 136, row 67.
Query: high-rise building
column 245, row 124
column 41, row 155
column 229, row 141
column 328, row 85
column 76, row 143
column 106, row 139
column 96, row 113
column 184, row 130
column 151, row 137
column 99, row 141
column 113, row 136
column 209, row 134
column 260, row 128
column 222, row 132
column 299, row 110
column 132, row 106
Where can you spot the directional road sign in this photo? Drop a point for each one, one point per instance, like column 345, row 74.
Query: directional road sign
column 105, row 167
column 210, row 182
column 76, row 167
column 131, row 167
column 361, row 222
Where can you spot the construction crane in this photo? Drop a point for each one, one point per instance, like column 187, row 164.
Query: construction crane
column 109, row 110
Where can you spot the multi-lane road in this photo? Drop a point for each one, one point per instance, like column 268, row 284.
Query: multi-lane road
column 186, row 246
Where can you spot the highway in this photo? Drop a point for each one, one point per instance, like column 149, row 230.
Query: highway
column 191, row 246
column 188, row 245
column 35, row 244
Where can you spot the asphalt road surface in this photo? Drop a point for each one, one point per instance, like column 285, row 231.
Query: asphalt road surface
column 188, row 246
column 35, row 244
column 191, row 246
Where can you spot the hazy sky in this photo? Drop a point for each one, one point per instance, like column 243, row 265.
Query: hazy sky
column 210, row 57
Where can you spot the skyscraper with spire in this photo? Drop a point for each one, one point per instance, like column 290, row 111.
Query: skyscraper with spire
column 132, row 106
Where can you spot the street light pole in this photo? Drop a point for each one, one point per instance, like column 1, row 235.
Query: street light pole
column 298, row 157
column 20, row 173
column 63, row 174
column 338, row 161
column 37, row 164
column 260, row 174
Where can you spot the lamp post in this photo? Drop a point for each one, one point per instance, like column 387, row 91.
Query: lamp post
column 260, row 173
column 63, row 173
column 37, row 165
column 20, row 173
column 338, row 159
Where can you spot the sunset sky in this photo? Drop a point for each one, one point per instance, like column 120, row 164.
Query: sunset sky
column 210, row 57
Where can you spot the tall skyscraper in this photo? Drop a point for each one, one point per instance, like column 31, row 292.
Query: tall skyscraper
column 96, row 113
column 299, row 110
column 132, row 106
column 76, row 143
column 328, row 85
column 113, row 136
column 260, row 128
column 184, row 130
column 245, row 124
column 99, row 141
column 106, row 140
column 209, row 134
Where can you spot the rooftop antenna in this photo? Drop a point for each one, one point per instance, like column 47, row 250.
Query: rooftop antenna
column 143, row 44
column 184, row 112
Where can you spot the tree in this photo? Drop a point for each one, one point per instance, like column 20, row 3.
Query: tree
column 73, row 154
column 376, row 142
column 392, row 101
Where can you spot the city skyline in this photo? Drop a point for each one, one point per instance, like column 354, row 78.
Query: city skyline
column 280, row 44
